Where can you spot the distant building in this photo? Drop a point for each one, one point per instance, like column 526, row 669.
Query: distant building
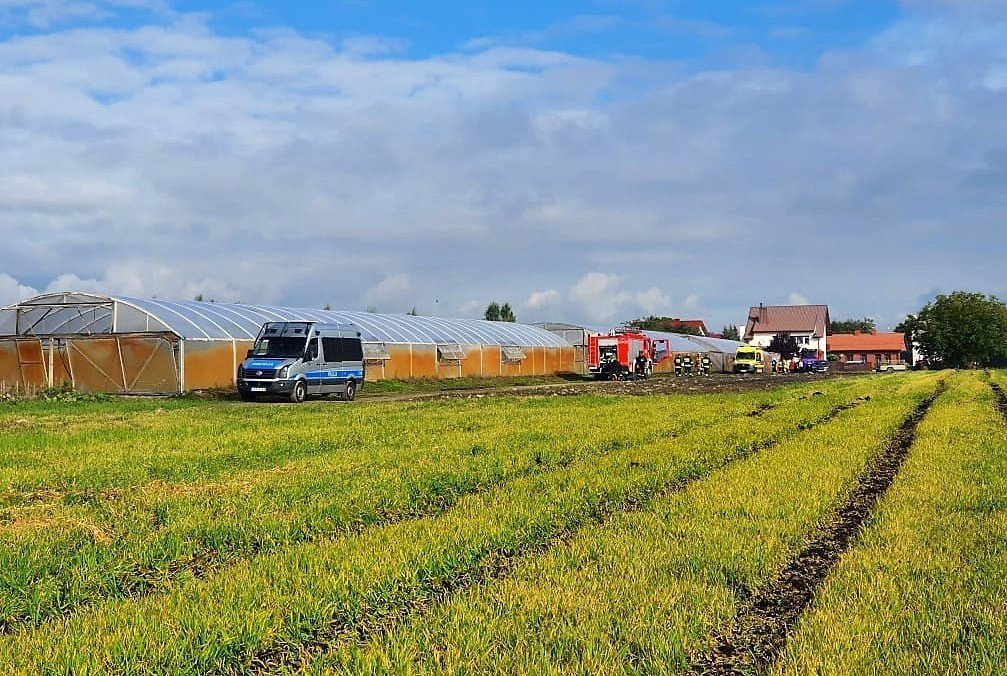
column 808, row 324
column 868, row 348
column 694, row 324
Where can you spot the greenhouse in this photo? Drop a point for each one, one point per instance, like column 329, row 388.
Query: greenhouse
column 120, row 344
column 721, row 352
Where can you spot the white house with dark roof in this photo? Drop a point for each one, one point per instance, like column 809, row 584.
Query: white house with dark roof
column 808, row 324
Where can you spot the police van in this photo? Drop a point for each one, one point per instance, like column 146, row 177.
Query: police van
column 296, row 360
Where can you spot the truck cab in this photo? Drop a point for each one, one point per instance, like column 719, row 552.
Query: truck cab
column 296, row 360
column 750, row 359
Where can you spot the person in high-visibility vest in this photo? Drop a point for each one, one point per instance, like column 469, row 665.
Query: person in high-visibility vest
column 679, row 364
column 688, row 364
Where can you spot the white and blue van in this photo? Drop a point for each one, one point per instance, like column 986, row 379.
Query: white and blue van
column 296, row 360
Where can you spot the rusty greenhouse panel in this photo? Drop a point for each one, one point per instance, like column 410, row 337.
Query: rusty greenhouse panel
column 208, row 364
column 149, row 364
column 95, row 365
column 10, row 367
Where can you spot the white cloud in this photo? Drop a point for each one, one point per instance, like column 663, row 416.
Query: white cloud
column 653, row 301
column 393, row 293
column 12, row 291
column 539, row 299
column 278, row 167
column 797, row 299
column 602, row 298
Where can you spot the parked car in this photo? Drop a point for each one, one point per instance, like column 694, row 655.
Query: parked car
column 820, row 366
column 889, row 367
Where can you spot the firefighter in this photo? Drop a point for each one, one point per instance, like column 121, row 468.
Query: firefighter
column 641, row 365
column 687, row 364
column 679, row 364
column 705, row 364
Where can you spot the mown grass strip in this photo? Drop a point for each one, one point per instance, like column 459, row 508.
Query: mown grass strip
column 158, row 540
column 266, row 610
column 923, row 591
column 761, row 627
column 637, row 594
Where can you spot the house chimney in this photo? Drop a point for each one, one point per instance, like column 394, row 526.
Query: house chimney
column 762, row 312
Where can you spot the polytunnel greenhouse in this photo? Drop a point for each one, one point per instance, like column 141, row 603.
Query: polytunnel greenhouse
column 721, row 352
column 100, row 343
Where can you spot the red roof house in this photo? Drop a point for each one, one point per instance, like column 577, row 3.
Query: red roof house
column 871, row 348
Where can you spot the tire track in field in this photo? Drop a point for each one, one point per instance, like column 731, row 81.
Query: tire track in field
column 439, row 585
column 140, row 581
column 763, row 623
column 1001, row 397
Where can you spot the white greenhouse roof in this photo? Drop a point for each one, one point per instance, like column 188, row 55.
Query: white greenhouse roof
column 681, row 342
column 88, row 313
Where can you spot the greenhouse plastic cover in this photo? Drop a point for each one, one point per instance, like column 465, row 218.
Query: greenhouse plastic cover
column 85, row 313
column 681, row 342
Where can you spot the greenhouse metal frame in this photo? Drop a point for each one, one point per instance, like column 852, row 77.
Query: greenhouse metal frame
column 149, row 345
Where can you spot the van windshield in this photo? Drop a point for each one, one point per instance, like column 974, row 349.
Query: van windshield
column 279, row 347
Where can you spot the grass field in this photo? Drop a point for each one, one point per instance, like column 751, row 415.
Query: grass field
column 576, row 534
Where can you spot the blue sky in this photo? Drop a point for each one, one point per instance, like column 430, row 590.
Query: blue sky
column 795, row 31
column 586, row 161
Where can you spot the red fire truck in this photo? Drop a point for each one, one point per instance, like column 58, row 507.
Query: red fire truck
column 624, row 354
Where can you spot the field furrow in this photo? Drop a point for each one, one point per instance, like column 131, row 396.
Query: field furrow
column 760, row 628
column 138, row 543
column 923, row 591
column 269, row 609
column 645, row 590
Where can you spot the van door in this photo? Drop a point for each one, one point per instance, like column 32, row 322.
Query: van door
column 332, row 365
column 353, row 362
column 313, row 367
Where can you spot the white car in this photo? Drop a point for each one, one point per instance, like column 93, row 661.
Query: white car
column 891, row 367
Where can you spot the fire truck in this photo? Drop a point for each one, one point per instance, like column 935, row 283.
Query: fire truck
column 623, row 355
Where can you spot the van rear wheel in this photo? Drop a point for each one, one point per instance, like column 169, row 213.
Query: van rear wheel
column 299, row 393
column 351, row 391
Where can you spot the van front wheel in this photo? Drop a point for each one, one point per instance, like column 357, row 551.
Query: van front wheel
column 299, row 393
column 351, row 391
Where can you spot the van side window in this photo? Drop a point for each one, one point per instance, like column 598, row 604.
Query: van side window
column 353, row 349
column 332, row 349
column 312, row 351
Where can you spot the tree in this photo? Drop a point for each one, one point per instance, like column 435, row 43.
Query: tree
column 413, row 312
column 785, row 345
column 499, row 313
column 199, row 297
column 665, row 324
column 731, row 333
column 865, row 325
column 327, row 307
column 960, row 329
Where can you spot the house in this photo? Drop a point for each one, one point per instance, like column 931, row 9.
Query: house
column 868, row 348
column 696, row 325
column 808, row 324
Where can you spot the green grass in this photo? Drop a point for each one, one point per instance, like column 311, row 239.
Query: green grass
column 585, row 534
column 646, row 590
column 923, row 592
column 280, row 601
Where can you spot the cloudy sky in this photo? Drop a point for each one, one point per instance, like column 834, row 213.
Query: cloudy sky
column 587, row 161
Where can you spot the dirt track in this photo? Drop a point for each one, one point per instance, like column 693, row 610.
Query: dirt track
column 663, row 384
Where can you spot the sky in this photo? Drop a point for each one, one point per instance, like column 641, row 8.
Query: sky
column 588, row 161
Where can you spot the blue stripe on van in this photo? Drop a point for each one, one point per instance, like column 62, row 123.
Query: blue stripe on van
column 336, row 373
